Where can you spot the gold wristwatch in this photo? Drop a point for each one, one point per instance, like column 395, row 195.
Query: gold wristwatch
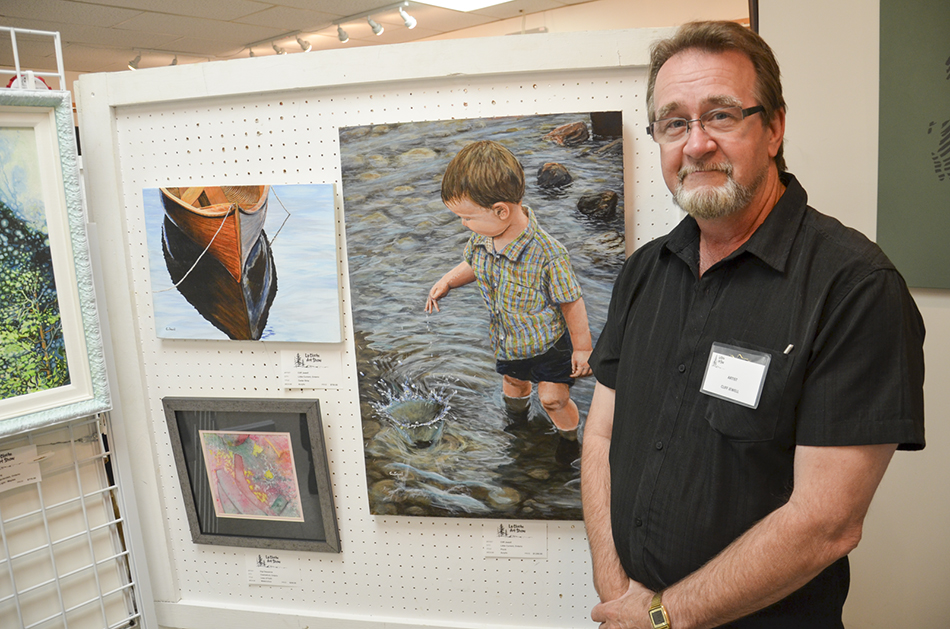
column 658, row 614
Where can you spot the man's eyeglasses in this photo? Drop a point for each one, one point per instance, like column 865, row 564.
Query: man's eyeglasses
column 724, row 120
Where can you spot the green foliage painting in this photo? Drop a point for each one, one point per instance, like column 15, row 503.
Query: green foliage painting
column 32, row 351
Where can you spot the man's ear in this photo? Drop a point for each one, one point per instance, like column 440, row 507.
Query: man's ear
column 501, row 210
column 776, row 131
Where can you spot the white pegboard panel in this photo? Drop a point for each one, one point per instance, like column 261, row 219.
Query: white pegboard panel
column 415, row 571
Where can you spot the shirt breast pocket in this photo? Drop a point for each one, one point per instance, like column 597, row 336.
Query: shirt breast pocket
column 741, row 423
column 520, row 298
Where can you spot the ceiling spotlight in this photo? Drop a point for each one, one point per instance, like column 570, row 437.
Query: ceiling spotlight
column 251, row 51
column 407, row 19
column 376, row 26
column 304, row 45
column 134, row 64
column 278, row 49
column 342, row 34
column 174, row 61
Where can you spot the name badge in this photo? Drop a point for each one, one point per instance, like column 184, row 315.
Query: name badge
column 735, row 374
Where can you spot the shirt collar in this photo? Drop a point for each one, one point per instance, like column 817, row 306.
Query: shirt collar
column 516, row 247
column 772, row 240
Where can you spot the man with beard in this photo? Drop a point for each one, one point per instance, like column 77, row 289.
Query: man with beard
column 759, row 366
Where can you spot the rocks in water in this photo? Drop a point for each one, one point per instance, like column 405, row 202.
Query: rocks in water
column 569, row 134
column 416, row 155
column 553, row 175
column 602, row 206
column 418, row 492
column 614, row 147
column 605, row 250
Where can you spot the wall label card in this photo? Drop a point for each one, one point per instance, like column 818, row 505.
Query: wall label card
column 18, row 467
column 516, row 540
column 270, row 569
column 311, row 370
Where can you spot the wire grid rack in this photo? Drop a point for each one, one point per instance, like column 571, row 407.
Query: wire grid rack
column 25, row 78
column 65, row 561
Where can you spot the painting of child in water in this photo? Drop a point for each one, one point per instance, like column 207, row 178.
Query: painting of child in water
column 472, row 335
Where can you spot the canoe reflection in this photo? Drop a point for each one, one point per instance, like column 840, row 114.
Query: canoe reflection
column 239, row 309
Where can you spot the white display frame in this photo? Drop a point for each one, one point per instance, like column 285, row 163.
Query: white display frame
column 423, row 572
column 48, row 114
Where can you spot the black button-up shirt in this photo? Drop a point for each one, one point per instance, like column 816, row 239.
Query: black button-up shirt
column 689, row 472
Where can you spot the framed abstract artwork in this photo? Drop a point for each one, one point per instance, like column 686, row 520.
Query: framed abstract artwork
column 51, row 351
column 254, row 473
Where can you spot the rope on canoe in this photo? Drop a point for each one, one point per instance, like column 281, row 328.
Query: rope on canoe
column 185, row 276
column 284, row 208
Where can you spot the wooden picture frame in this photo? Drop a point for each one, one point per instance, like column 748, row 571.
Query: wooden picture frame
column 52, row 343
column 297, row 515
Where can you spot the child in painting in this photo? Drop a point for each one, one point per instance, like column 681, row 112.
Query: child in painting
column 537, row 318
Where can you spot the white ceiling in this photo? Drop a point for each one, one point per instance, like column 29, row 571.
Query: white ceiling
column 104, row 35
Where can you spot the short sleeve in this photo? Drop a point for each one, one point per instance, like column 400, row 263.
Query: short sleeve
column 864, row 381
column 469, row 252
column 563, row 285
column 605, row 359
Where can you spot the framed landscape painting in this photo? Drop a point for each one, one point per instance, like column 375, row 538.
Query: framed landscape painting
column 51, row 350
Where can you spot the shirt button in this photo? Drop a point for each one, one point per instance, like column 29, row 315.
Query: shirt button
column 681, row 368
column 659, row 445
column 638, row 522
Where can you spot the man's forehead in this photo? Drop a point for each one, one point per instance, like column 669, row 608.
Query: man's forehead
column 703, row 78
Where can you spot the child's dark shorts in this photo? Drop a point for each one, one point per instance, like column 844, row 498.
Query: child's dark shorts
column 553, row 365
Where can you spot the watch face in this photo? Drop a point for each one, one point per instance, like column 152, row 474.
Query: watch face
column 657, row 618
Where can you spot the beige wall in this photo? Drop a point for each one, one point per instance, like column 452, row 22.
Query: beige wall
column 829, row 57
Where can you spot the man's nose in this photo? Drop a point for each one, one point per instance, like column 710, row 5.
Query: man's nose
column 698, row 140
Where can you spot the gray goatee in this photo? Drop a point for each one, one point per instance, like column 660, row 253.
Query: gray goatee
column 710, row 203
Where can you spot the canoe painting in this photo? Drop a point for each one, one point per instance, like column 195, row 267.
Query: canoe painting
column 227, row 220
column 248, row 262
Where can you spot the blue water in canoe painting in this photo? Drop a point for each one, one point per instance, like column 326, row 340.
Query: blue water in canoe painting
column 32, row 349
column 437, row 438
column 280, row 283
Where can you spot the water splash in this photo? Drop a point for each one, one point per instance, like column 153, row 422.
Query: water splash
column 417, row 412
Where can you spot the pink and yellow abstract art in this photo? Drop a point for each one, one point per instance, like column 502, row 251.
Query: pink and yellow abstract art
column 252, row 475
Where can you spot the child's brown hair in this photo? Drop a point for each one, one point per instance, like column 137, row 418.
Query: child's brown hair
column 485, row 172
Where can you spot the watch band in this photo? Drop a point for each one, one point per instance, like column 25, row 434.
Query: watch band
column 658, row 616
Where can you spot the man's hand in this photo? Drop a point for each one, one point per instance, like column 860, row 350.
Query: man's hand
column 439, row 290
column 579, row 366
column 630, row 611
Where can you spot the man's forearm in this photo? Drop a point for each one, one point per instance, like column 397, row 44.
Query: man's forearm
column 610, row 580
column 821, row 523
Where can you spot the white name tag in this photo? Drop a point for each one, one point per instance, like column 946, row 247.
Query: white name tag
column 735, row 374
